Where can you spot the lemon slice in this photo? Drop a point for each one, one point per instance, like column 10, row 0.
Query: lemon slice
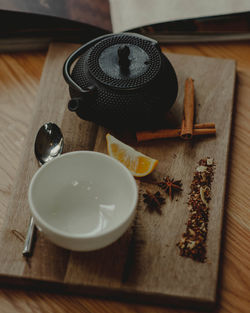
column 139, row 164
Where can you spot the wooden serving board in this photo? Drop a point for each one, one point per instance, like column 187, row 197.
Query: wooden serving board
column 144, row 265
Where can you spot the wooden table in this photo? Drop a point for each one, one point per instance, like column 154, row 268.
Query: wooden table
column 19, row 80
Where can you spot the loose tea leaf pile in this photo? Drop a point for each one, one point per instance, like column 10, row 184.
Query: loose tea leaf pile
column 193, row 241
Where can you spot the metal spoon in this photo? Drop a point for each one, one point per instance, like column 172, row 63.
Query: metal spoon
column 48, row 145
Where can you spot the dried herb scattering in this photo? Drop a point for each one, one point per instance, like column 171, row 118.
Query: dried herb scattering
column 154, row 201
column 170, row 186
column 193, row 241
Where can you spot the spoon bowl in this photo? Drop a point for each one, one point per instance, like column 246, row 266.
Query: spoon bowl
column 49, row 143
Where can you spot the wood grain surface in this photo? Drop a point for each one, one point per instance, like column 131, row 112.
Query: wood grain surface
column 234, row 283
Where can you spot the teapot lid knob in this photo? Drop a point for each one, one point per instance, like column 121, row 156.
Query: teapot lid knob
column 123, row 54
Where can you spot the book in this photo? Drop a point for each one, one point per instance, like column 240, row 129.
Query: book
column 32, row 24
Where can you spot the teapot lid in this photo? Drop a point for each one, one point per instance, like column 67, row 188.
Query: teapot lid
column 124, row 61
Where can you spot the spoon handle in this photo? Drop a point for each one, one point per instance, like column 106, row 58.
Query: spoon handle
column 29, row 238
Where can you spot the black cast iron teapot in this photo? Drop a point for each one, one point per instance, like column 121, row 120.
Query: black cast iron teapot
column 121, row 81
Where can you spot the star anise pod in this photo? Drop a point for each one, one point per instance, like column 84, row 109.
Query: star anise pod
column 170, row 186
column 154, row 201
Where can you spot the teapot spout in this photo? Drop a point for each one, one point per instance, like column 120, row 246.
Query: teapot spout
column 74, row 104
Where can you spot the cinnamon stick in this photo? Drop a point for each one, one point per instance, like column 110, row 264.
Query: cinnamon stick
column 188, row 119
column 199, row 129
column 204, row 131
column 204, row 125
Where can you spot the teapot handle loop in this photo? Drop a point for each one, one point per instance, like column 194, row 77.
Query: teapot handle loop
column 70, row 60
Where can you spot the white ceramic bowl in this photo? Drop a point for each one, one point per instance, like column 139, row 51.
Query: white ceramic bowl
column 83, row 200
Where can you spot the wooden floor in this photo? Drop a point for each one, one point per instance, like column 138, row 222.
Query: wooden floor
column 19, row 80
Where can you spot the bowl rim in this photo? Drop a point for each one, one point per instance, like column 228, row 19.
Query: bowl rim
column 55, row 230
